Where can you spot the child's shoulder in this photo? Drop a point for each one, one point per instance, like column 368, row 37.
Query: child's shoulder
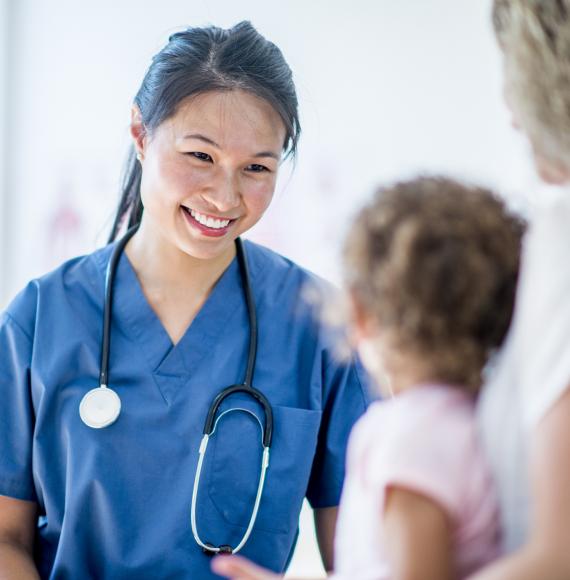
column 416, row 422
column 424, row 439
column 420, row 405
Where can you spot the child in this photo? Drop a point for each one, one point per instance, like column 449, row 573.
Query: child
column 431, row 268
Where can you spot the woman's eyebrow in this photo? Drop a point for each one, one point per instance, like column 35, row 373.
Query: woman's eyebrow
column 209, row 141
column 202, row 138
column 271, row 154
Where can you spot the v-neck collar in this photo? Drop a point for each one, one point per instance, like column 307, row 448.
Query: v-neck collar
column 132, row 304
column 172, row 364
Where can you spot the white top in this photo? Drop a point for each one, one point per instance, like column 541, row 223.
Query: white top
column 425, row 440
column 533, row 369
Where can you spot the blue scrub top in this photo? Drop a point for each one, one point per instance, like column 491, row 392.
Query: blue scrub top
column 115, row 502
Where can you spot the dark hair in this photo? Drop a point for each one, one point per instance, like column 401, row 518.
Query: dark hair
column 435, row 263
column 200, row 60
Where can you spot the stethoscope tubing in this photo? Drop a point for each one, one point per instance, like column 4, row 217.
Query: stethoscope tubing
column 108, row 305
column 211, row 422
column 208, row 548
column 246, row 386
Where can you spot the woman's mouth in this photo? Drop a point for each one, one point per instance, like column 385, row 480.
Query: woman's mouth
column 208, row 225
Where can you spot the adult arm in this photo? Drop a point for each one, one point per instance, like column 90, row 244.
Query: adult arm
column 547, row 553
column 325, row 524
column 17, row 529
column 418, row 537
column 240, row 568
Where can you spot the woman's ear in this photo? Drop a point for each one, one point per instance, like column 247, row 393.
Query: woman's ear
column 551, row 171
column 138, row 131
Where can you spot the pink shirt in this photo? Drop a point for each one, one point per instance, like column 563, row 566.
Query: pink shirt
column 425, row 440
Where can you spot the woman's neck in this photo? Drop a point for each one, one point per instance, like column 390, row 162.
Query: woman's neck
column 161, row 266
column 175, row 284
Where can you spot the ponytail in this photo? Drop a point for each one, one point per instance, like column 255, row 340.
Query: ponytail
column 130, row 204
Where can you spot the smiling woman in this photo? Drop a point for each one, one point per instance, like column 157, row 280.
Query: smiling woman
column 187, row 309
column 209, row 171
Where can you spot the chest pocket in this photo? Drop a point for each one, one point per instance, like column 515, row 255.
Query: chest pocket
column 235, row 466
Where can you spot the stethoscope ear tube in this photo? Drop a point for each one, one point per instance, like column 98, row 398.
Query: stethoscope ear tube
column 257, row 395
column 246, row 387
column 251, row 311
column 225, row 549
column 109, row 287
column 211, row 421
column 101, row 406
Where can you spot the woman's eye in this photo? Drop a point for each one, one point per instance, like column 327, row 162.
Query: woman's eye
column 200, row 155
column 257, row 168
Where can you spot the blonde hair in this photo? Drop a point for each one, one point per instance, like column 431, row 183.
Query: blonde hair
column 534, row 36
column 435, row 263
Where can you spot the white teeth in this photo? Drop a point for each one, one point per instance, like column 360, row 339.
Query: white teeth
column 215, row 224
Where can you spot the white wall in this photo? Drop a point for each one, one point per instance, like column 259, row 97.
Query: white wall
column 387, row 89
column 3, row 143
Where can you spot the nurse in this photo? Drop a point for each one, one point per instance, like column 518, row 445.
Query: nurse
column 94, row 495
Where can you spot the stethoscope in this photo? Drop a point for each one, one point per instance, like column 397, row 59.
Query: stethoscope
column 101, row 406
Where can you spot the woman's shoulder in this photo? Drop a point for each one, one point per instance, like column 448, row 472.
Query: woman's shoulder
column 278, row 274
column 537, row 350
column 284, row 290
column 548, row 235
column 265, row 258
column 75, row 277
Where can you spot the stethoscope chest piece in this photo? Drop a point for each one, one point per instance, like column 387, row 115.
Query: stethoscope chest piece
column 100, row 407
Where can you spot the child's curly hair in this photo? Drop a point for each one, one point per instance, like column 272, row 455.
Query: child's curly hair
column 435, row 264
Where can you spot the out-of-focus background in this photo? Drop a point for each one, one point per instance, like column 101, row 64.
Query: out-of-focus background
column 387, row 90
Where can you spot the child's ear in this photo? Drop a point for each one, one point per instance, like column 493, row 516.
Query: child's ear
column 367, row 341
column 363, row 327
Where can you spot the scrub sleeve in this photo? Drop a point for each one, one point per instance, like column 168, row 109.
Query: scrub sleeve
column 16, row 422
column 347, row 396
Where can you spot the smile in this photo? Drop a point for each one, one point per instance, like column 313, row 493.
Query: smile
column 207, row 223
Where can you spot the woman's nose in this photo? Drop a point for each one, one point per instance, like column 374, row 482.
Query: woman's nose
column 224, row 193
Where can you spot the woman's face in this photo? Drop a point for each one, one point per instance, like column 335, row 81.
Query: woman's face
column 550, row 171
column 209, row 171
